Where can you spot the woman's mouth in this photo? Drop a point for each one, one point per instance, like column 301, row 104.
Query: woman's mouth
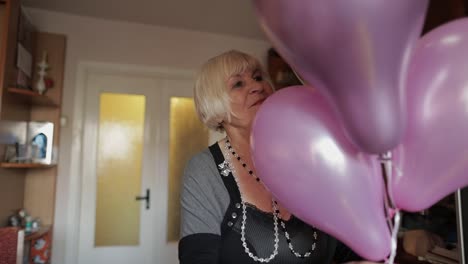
column 259, row 102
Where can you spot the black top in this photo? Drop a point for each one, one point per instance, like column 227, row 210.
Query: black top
column 226, row 247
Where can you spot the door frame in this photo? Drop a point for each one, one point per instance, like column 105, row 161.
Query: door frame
column 151, row 174
column 68, row 194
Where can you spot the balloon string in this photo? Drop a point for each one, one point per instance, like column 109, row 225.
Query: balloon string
column 394, row 244
column 390, row 210
column 386, row 166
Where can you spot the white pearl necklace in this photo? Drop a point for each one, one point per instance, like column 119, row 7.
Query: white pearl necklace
column 244, row 218
column 276, row 213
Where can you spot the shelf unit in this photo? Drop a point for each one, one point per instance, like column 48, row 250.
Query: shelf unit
column 33, row 98
column 39, row 233
column 9, row 165
column 29, row 185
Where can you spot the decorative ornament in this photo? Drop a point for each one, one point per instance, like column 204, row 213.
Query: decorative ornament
column 41, row 85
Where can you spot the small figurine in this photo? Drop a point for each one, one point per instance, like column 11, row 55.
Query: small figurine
column 14, row 221
column 41, row 85
column 36, row 224
column 28, row 224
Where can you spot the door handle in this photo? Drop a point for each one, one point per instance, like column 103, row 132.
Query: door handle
column 146, row 198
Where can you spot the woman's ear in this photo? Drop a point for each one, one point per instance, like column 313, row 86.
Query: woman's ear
column 221, row 124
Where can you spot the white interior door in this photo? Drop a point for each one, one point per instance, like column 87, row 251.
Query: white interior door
column 122, row 159
column 174, row 91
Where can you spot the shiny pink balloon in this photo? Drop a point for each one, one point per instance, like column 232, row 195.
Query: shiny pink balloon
column 432, row 160
column 303, row 157
column 355, row 52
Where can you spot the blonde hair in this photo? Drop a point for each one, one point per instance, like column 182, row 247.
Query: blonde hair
column 212, row 101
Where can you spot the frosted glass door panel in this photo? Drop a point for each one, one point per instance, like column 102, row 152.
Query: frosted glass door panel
column 119, row 169
column 187, row 137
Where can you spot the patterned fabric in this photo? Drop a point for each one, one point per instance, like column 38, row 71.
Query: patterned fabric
column 8, row 244
column 40, row 249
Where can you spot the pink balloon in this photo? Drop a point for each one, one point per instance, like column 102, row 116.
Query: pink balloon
column 355, row 52
column 433, row 156
column 305, row 160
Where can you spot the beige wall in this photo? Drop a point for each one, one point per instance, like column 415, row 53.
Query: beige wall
column 11, row 193
column 90, row 39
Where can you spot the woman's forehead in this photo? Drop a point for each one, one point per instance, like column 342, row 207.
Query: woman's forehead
column 240, row 72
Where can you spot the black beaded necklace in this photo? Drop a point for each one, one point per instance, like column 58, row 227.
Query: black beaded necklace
column 277, row 211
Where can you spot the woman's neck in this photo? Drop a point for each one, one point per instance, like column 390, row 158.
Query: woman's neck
column 240, row 140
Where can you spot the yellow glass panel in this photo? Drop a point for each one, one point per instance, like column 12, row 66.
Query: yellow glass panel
column 187, row 137
column 119, row 163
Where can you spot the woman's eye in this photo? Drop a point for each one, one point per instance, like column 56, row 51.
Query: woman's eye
column 258, row 78
column 238, row 84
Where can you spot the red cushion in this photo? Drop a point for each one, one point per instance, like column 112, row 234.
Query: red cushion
column 8, row 244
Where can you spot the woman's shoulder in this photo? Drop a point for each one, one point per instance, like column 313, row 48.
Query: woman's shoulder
column 202, row 166
column 202, row 157
column 201, row 162
column 202, row 182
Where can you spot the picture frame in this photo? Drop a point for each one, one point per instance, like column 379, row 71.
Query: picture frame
column 10, row 153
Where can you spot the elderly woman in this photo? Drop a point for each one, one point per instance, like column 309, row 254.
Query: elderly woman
column 228, row 216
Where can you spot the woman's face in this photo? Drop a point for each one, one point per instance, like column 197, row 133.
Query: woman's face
column 247, row 92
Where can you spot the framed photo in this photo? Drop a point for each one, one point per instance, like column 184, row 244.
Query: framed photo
column 10, row 153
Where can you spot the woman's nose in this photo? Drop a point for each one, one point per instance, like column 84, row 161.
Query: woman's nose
column 256, row 87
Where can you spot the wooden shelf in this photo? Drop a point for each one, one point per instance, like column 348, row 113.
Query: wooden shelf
column 35, row 235
column 33, row 98
column 7, row 165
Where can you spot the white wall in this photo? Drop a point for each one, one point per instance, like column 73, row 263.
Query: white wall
column 90, row 39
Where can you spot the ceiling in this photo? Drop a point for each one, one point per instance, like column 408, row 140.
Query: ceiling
column 231, row 17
